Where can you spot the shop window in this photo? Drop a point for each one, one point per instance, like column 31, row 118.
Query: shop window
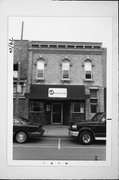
column 88, row 69
column 36, row 107
column 40, row 69
column 65, row 70
column 77, row 107
column 93, row 100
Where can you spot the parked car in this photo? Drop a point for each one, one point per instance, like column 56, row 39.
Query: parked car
column 24, row 129
column 88, row 131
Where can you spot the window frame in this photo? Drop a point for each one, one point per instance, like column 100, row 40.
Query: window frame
column 95, row 97
column 40, row 111
column 93, row 105
column 43, row 69
column 15, row 89
column 91, row 71
column 80, row 103
column 66, row 61
column 15, row 70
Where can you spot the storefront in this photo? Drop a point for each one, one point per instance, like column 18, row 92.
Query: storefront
column 56, row 104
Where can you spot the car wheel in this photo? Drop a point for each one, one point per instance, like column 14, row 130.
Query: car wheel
column 86, row 137
column 21, row 137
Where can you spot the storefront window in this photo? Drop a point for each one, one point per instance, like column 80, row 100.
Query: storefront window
column 36, row 107
column 77, row 107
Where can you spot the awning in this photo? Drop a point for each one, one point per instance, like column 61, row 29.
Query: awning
column 65, row 92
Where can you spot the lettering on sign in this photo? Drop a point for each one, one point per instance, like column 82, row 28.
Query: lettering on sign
column 57, row 92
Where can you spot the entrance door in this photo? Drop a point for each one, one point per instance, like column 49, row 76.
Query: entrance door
column 56, row 113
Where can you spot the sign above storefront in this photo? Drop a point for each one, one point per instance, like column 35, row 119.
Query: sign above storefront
column 67, row 92
column 57, row 92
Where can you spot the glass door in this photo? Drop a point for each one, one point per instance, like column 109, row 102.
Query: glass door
column 56, row 113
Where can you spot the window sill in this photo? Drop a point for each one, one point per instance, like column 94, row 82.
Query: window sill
column 20, row 96
column 40, row 80
column 36, row 112
column 88, row 80
column 77, row 112
column 66, row 80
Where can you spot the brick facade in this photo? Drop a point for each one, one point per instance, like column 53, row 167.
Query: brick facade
column 53, row 69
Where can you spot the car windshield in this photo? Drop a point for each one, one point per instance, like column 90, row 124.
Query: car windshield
column 19, row 120
column 24, row 121
column 97, row 117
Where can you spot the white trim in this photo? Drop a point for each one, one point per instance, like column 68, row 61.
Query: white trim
column 100, row 138
column 94, row 87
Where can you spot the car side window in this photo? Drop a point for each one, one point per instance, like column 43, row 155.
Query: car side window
column 103, row 119
column 17, row 121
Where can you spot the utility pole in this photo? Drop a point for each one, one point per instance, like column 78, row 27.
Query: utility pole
column 18, row 75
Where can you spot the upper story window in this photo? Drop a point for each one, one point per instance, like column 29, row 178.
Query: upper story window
column 15, row 71
column 40, row 69
column 88, row 69
column 65, row 70
column 21, row 88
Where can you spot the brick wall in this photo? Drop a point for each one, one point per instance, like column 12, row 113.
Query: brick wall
column 23, row 58
column 53, row 68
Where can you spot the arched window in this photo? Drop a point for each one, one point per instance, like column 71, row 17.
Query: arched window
column 40, row 69
column 88, row 69
column 65, row 69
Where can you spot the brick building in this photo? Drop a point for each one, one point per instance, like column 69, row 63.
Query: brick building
column 60, row 82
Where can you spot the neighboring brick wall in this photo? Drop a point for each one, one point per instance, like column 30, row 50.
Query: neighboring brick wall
column 104, row 65
column 101, row 99
column 37, row 118
column 26, row 108
column 21, row 107
column 29, row 78
column 24, row 57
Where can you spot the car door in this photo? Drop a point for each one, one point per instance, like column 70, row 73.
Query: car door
column 100, row 130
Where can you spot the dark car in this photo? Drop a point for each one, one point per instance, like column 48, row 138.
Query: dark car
column 88, row 131
column 24, row 129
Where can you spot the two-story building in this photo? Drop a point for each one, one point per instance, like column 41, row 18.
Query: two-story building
column 60, row 81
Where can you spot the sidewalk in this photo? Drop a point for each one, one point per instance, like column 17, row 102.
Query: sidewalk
column 56, row 131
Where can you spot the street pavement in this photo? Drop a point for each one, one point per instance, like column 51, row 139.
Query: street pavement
column 56, row 144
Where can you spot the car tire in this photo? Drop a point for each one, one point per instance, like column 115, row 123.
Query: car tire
column 21, row 137
column 86, row 137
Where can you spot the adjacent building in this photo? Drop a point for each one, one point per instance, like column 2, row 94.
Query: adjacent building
column 60, row 82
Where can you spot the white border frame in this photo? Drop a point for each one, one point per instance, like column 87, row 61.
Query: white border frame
column 106, row 162
column 25, row 171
